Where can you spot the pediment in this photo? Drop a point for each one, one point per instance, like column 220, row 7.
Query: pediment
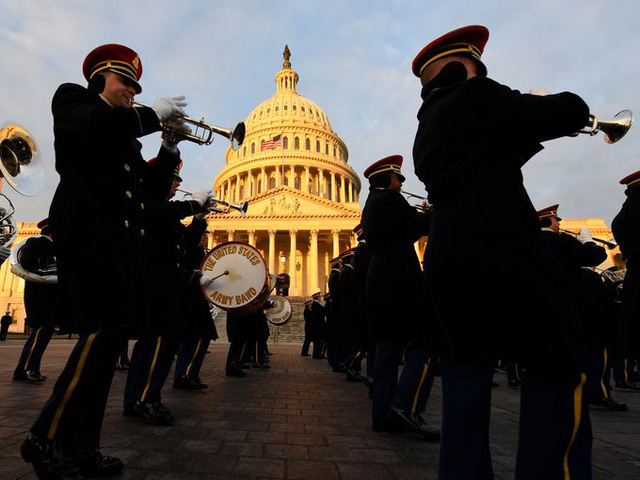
column 288, row 202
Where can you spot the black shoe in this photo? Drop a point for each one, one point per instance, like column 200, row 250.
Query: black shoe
column 49, row 461
column 610, row 404
column 155, row 413
column 415, row 423
column 34, row 377
column 261, row 366
column 19, row 377
column 186, row 383
column 354, row 376
column 235, row 371
column 243, row 366
column 92, row 464
column 305, row 355
column 627, row 386
column 123, row 367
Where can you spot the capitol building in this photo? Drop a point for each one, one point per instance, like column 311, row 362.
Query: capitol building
column 302, row 195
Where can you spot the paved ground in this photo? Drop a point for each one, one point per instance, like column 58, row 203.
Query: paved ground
column 297, row 420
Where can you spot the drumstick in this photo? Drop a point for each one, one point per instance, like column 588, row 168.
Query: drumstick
column 226, row 272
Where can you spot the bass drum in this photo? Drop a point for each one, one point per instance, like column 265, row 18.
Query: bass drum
column 241, row 282
column 280, row 313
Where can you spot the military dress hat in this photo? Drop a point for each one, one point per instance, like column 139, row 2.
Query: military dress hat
column 334, row 262
column 347, row 253
column 630, row 180
column 114, row 58
column 466, row 41
column 176, row 171
column 358, row 230
column 549, row 212
column 387, row 164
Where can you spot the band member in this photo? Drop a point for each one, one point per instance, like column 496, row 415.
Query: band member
column 104, row 186
column 37, row 258
column 160, row 335
column 361, row 260
column 474, row 136
column 318, row 326
column 306, row 343
column 193, row 347
column 391, row 227
column 626, row 230
column 5, row 323
column 335, row 343
column 351, row 312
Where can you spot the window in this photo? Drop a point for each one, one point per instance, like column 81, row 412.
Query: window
column 307, row 144
column 302, row 108
column 272, row 182
column 296, row 143
column 285, row 108
column 253, row 148
column 317, row 145
column 244, row 154
column 277, row 108
column 326, row 149
column 241, row 192
column 285, row 143
column 295, row 108
column 297, row 183
column 334, row 152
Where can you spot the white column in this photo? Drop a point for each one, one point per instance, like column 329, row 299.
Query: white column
column 305, row 181
column 230, row 234
column 272, row 251
column 336, row 242
column 227, row 197
column 314, row 261
column 237, row 195
column 263, row 180
column 252, row 237
column 333, row 186
column 292, row 262
column 292, row 176
column 210, row 241
column 317, row 183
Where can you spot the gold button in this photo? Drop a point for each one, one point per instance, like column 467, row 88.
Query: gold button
column 127, row 167
column 142, row 206
column 142, row 232
column 126, row 223
column 178, row 247
column 128, row 194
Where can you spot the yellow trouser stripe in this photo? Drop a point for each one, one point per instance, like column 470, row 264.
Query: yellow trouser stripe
column 242, row 351
column 577, row 412
column 33, row 346
column 425, row 369
column 72, row 385
column 626, row 377
column 604, row 370
column 193, row 359
column 153, row 367
column 355, row 357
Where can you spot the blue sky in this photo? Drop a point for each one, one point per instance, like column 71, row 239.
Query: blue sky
column 353, row 58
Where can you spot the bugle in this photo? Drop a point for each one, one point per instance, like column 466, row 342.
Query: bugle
column 613, row 129
column 609, row 244
column 424, row 207
column 202, row 133
column 212, row 205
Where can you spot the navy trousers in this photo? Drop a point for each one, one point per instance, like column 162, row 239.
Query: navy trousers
column 151, row 362
column 33, row 349
column 74, row 413
column 191, row 353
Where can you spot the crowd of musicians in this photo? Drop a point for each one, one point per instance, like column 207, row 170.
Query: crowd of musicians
column 389, row 319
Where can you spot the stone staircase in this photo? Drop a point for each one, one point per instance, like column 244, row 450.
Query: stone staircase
column 292, row 332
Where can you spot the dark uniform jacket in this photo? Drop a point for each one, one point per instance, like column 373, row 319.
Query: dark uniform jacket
column 395, row 286
column 165, row 289
column 199, row 314
column 626, row 230
column 332, row 310
column 350, row 307
column 96, row 213
column 40, row 300
column 361, row 260
column 487, row 285
column 318, row 331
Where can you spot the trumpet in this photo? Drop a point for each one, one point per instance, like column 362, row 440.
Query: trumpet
column 424, row 207
column 409, row 194
column 212, row 205
column 609, row 244
column 202, row 133
column 613, row 129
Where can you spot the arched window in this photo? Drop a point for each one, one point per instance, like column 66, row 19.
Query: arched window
column 296, row 143
column 317, row 145
column 286, row 107
column 307, row 144
column 244, row 154
column 253, row 148
column 334, row 152
column 286, row 180
column 326, row 149
column 272, row 182
column 285, row 143
column 297, row 183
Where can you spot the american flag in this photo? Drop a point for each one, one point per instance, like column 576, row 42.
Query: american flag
column 275, row 142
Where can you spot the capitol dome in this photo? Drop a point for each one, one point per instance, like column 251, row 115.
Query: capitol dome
column 289, row 142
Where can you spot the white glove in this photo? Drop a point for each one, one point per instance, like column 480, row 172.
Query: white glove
column 205, row 281
column 584, row 236
column 166, row 107
column 4, row 254
column 539, row 91
column 202, row 196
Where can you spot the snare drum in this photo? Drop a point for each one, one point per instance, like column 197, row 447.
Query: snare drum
column 241, row 280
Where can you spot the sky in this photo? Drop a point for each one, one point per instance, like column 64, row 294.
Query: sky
column 354, row 61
